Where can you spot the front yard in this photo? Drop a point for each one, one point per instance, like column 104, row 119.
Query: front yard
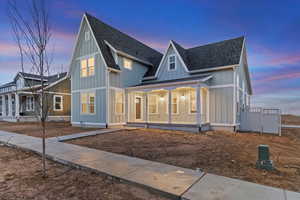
column 53, row 129
column 218, row 152
column 20, row 178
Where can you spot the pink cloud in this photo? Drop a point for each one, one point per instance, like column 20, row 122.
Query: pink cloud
column 8, row 49
column 288, row 76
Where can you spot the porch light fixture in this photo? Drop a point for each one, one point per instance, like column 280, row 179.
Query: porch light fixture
column 182, row 97
column 161, row 98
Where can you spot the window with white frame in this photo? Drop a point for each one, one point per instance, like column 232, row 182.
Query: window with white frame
column 127, row 63
column 119, row 102
column 172, row 62
column 193, row 103
column 153, row 104
column 87, row 35
column 87, row 103
column 29, row 103
column 174, row 103
column 57, row 103
column 87, row 67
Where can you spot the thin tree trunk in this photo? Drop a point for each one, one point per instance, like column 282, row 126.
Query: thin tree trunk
column 44, row 150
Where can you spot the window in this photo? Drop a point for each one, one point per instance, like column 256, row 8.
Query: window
column 57, row 103
column 87, row 67
column 91, row 65
column 83, row 72
column 88, row 103
column 119, row 103
column 174, row 104
column 127, row 63
column 172, row 62
column 29, row 103
column 153, row 104
column 193, row 107
column 87, row 36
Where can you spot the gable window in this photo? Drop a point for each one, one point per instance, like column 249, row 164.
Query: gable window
column 57, row 103
column 174, row 104
column 153, row 104
column 88, row 103
column 172, row 62
column 193, row 107
column 29, row 103
column 127, row 63
column 87, row 36
column 119, row 103
column 87, row 67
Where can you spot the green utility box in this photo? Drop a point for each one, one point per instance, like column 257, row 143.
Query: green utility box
column 264, row 161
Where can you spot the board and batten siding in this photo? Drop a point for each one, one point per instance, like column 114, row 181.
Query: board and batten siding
column 85, row 49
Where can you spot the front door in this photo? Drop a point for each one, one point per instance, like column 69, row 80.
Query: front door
column 138, row 108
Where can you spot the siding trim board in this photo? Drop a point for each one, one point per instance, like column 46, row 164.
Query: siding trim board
column 88, row 89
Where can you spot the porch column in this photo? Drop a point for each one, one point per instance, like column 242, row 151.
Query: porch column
column 146, row 111
column 9, row 105
column 126, row 106
column 170, row 106
column 198, row 104
column 17, row 105
column 3, row 105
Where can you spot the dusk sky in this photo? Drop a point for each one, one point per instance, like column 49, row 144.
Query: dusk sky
column 271, row 28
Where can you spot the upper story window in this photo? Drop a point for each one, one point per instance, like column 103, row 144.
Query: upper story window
column 87, row 67
column 57, row 103
column 87, row 35
column 172, row 62
column 127, row 63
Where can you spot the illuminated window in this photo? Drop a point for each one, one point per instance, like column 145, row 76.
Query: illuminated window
column 91, row 65
column 87, row 36
column 127, row 63
column 83, row 71
column 174, row 104
column 172, row 62
column 193, row 107
column 88, row 103
column 153, row 104
column 57, row 103
column 119, row 103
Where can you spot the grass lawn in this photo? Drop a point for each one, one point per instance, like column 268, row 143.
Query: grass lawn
column 53, row 129
column 218, row 152
column 20, row 178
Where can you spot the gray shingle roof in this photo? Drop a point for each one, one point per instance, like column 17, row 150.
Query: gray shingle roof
column 121, row 42
column 212, row 55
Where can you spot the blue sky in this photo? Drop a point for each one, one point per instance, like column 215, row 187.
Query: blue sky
column 272, row 30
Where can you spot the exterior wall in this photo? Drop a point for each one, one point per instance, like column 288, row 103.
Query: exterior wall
column 222, row 77
column 126, row 77
column 100, row 108
column 96, row 83
column 115, row 118
column 164, row 74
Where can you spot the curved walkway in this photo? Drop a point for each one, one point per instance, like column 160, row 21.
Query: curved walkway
column 176, row 182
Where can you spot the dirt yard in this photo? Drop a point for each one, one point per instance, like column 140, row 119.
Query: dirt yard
column 20, row 178
column 222, row 153
column 53, row 129
column 290, row 119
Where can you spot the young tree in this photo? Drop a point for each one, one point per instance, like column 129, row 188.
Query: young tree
column 32, row 32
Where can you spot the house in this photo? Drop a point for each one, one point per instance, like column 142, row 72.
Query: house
column 118, row 80
column 18, row 99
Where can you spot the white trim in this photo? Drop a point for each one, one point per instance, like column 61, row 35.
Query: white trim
column 58, row 93
column 117, row 88
column 88, row 123
column 223, row 124
column 56, row 82
column 61, row 103
column 179, row 56
column 114, row 124
column 175, row 58
column 89, row 89
column 234, row 96
column 107, row 72
column 88, row 103
column 221, row 86
column 87, row 56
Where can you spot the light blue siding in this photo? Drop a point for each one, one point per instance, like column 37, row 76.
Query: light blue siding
column 223, row 77
column 100, row 108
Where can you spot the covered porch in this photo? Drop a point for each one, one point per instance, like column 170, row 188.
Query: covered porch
column 178, row 106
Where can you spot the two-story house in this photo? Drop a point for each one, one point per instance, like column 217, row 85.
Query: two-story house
column 118, row 80
column 20, row 99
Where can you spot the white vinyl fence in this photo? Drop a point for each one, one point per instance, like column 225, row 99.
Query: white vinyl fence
column 262, row 120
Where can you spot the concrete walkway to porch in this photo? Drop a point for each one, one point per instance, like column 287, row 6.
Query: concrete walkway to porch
column 170, row 180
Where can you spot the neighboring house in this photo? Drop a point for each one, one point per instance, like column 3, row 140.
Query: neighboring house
column 117, row 80
column 18, row 99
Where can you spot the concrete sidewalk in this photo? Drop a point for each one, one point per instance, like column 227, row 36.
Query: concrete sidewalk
column 290, row 126
column 173, row 181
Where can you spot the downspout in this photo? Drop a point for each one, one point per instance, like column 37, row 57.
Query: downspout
column 107, row 97
column 234, row 98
